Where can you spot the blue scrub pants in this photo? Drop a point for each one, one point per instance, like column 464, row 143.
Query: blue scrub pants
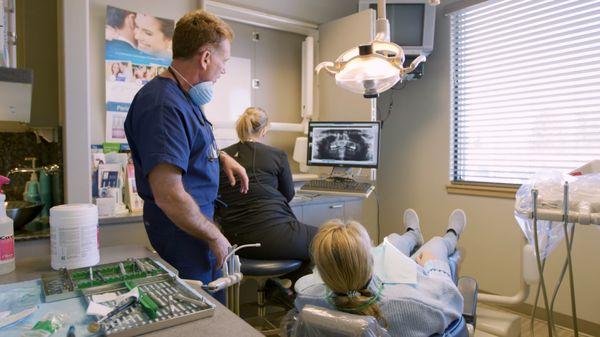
column 190, row 256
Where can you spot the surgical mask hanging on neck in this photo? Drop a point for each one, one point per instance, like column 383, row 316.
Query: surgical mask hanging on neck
column 201, row 93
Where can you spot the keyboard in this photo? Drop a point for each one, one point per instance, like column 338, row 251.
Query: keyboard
column 338, row 187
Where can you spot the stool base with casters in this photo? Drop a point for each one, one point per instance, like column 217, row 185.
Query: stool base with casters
column 260, row 271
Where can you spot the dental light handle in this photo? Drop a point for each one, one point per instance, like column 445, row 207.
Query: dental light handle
column 414, row 64
column 325, row 65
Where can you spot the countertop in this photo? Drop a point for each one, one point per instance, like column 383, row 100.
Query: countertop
column 222, row 323
column 43, row 232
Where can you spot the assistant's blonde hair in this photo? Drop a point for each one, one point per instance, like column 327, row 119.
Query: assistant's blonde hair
column 342, row 254
column 251, row 124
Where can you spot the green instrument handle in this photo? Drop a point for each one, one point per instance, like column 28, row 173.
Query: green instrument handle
column 148, row 305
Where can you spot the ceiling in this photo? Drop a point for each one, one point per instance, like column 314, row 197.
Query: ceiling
column 315, row 11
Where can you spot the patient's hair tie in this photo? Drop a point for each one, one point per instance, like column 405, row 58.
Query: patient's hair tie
column 353, row 293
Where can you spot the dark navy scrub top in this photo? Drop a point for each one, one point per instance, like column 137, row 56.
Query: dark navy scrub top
column 164, row 126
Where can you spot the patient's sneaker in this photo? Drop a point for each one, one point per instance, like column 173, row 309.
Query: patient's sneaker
column 279, row 292
column 411, row 223
column 457, row 222
column 284, row 282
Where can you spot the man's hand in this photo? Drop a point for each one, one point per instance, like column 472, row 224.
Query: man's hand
column 219, row 246
column 424, row 257
column 171, row 197
column 233, row 169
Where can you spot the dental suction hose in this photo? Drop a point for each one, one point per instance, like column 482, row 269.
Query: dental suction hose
column 534, row 195
column 240, row 247
column 568, row 262
column 231, row 270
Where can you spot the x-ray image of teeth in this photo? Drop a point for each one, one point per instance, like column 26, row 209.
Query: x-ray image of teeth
column 343, row 144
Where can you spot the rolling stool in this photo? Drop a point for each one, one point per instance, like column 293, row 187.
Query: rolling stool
column 261, row 271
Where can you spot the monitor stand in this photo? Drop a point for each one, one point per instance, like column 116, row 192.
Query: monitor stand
column 341, row 174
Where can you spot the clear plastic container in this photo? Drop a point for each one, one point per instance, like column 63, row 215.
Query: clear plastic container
column 74, row 236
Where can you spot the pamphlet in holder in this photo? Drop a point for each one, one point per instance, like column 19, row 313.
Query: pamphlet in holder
column 132, row 199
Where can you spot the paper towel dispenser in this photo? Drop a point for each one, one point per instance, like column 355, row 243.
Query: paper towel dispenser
column 15, row 94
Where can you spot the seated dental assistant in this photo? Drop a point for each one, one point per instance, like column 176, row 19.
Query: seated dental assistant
column 410, row 296
column 262, row 215
column 174, row 150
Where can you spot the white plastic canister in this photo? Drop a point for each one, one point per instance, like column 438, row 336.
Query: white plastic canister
column 74, row 236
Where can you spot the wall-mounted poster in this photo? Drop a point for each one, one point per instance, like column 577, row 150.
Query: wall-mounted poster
column 137, row 47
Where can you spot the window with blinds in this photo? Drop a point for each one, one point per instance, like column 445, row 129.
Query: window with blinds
column 525, row 88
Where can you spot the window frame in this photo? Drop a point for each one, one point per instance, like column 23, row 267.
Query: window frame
column 457, row 184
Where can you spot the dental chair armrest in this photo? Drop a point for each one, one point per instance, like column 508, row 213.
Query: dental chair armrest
column 468, row 288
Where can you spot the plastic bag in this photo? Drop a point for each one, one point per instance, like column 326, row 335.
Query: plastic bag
column 585, row 192
column 288, row 322
column 51, row 323
column 315, row 321
column 20, row 296
column 584, row 205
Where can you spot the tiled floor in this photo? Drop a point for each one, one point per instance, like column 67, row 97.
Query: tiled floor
column 540, row 328
column 275, row 314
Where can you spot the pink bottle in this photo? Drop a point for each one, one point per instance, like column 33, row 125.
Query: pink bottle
column 7, row 238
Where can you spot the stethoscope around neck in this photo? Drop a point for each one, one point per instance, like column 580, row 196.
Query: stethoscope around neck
column 213, row 153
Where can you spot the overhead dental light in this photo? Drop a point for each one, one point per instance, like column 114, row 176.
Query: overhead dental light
column 372, row 68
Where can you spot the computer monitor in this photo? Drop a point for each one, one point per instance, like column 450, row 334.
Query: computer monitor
column 343, row 144
column 412, row 24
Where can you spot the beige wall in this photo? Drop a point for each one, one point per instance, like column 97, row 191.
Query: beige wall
column 414, row 171
column 315, row 11
column 277, row 63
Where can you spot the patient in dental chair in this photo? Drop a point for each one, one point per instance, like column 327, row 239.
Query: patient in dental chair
column 411, row 295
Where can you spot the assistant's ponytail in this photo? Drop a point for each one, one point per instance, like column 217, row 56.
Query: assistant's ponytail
column 251, row 124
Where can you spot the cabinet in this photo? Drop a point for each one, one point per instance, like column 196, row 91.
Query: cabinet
column 317, row 214
column 316, row 211
column 37, row 49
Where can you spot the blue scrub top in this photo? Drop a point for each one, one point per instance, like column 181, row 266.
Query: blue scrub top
column 164, row 126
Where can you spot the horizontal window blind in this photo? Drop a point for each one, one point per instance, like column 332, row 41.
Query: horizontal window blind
column 525, row 88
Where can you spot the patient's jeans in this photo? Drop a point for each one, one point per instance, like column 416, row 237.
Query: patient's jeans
column 440, row 246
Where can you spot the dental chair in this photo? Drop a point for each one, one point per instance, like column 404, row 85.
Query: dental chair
column 315, row 321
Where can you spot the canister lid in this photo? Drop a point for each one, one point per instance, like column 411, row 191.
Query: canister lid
column 73, row 210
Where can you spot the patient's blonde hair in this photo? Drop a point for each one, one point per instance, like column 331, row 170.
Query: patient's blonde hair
column 342, row 254
column 251, row 124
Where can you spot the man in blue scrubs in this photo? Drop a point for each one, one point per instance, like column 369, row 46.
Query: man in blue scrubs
column 175, row 154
